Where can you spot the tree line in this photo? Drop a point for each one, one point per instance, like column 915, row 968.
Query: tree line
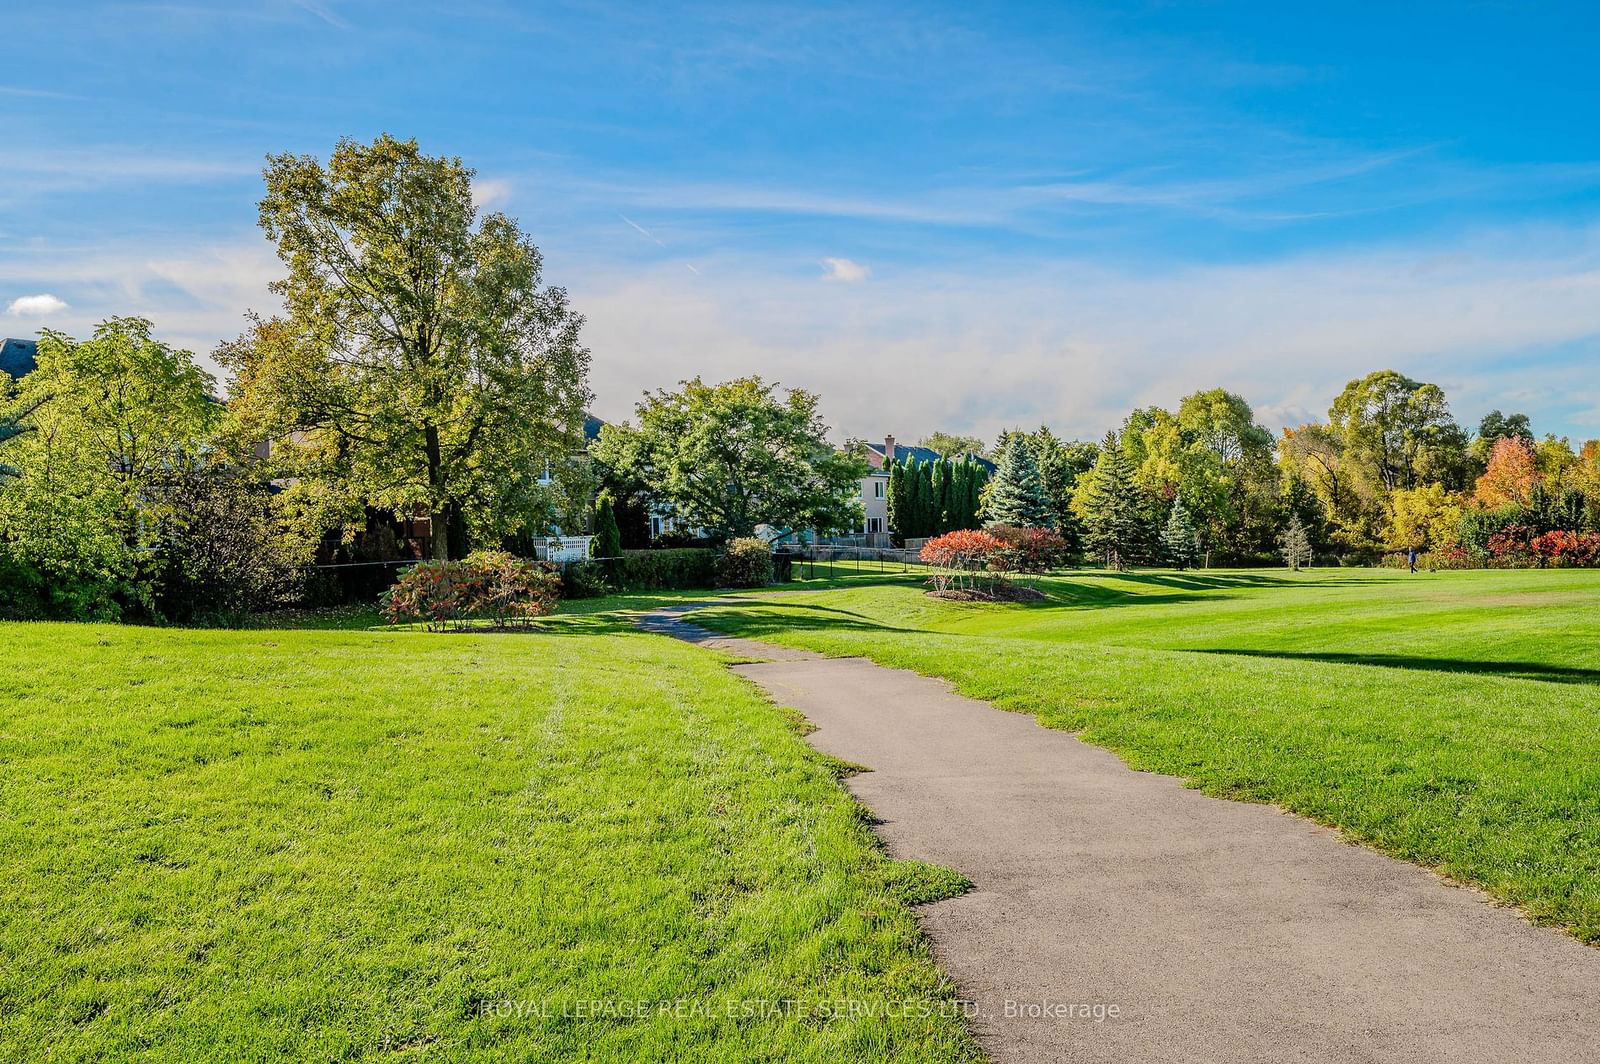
column 1389, row 470
column 420, row 373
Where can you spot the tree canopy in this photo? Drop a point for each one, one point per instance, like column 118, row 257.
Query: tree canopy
column 728, row 457
column 951, row 445
column 420, row 359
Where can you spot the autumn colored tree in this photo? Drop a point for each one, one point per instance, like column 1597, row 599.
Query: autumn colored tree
column 1511, row 476
column 960, row 559
column 1425, row 518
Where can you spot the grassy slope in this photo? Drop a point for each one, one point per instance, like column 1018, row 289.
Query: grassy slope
column 1450, row 719
column 326, row 844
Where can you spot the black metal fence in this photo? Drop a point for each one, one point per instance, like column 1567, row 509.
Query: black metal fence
column 831, row 560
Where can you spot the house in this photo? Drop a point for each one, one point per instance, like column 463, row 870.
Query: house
column 18, row 357
column 875, row 485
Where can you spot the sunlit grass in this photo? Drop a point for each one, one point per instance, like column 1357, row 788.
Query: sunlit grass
column 328, row 844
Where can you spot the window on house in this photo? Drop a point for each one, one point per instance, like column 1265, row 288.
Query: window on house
column 877, row 489
column 874, row 524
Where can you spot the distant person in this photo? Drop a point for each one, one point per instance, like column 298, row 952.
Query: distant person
column 1411, row 558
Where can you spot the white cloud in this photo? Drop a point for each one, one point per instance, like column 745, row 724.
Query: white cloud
column 195, row 295
column 844, row 270
column 490, row 192
column 995, row 344
column 40, row 306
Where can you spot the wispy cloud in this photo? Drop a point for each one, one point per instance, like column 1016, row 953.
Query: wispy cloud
column 43, row 94
column 322, row 11
column 1075, row 345
column 844, row 270
column 642, row 231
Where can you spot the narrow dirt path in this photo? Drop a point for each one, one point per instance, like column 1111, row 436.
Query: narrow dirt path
column 1119, row 916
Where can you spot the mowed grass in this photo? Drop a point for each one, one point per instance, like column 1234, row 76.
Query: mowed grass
column 584, row 843
column 1449, row 719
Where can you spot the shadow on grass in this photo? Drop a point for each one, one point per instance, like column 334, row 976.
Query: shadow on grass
column 787, row 617
column 1522, row 670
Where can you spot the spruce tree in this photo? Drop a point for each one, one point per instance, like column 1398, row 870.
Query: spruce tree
column 1108, row 503
column 1017, row 498
column 1178, row 538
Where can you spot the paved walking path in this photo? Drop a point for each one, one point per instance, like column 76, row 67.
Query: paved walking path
column 1219, row 930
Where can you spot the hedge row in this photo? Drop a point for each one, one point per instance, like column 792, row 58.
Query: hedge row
column 661, row 570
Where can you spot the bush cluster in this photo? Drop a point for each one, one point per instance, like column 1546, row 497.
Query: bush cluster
column 745, row 563
column 1028, row 550
column 493, row 586
column 663, row 570
column 961, row 559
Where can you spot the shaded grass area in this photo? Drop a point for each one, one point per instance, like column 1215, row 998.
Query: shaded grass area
column 328, row 844
column 1448, row 719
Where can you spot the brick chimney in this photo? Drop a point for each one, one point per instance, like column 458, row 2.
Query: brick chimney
column 888, row 449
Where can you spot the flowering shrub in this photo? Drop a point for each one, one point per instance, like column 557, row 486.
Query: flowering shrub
column 960, row 557
column 495, row 586
column 1567, row 548
column 746, row 563
column 1029, row 550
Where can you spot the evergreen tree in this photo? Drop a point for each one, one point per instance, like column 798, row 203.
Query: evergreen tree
column 1109, row 504
column 927, row 493
column 914, row 503
column 1178, row 539
column 897, row 498
column 979, row 477
column 944, row 505
column 607, row 534
column 1017, row 497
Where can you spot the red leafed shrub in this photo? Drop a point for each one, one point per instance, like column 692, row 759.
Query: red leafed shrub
column 960, row 557
column 1567, row 548
column 494, row 586
column 1030, row 550
column 1512, row 545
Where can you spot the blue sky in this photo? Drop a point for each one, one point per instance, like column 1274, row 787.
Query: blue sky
column 960, row 217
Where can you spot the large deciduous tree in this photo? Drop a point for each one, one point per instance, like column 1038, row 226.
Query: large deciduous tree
column 728, row 457
column 1398, row 433
column 420, row 356
column 111, row 419
column 950, row 445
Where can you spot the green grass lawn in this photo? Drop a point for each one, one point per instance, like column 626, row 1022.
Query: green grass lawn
column 329, row 844
column 1450, row 719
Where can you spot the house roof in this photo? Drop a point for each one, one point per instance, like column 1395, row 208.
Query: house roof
column 591, row 428
column 18, row 357
column 919, row 454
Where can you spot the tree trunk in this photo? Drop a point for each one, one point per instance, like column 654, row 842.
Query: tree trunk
column 438, row 514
